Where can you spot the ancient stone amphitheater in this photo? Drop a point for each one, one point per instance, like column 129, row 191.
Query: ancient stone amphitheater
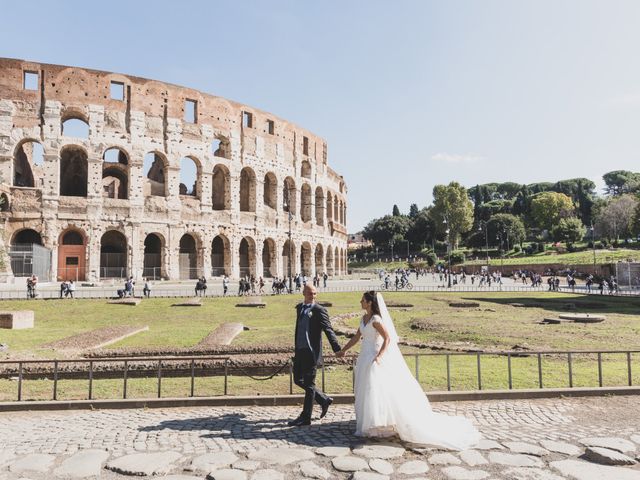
column 105, row 175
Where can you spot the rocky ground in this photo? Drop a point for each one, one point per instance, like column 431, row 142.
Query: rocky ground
column 550, row 439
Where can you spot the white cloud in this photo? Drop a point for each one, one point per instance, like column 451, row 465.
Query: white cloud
column 456, row 158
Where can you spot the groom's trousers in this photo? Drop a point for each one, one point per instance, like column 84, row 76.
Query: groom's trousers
column 304, row 375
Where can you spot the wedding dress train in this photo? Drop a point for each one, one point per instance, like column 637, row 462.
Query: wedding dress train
column 389, row 400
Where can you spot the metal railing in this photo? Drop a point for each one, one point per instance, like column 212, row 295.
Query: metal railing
column 194, row 367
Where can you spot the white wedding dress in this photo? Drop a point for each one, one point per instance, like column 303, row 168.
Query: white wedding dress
column 389, row 400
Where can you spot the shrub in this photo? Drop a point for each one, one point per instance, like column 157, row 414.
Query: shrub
column 457, row 257
column 540, row 247
column 517, row 248
column 571, row 247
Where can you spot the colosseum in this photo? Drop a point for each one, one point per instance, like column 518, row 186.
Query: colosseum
column 105, row 175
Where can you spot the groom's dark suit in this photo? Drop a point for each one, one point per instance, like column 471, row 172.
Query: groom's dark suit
column 311, row 321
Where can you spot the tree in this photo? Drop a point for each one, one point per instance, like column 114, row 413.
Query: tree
column 506, row 228
column 568, row 230
column 620, row 182
column 422, row 228
column 413, row 211
column 396, row 211
column 547, row 208
column 451, row 204
column 616, row 217
column 390, row 228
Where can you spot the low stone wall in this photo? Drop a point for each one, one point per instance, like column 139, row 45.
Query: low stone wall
column 17, row 320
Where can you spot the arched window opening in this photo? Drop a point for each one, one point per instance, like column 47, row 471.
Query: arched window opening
column 269, row 258
column 152, row 263
column 270, row 190
column 188, row 177
column 305, row 170
column 28, row 165
column 288, row 257
column 305, row 203
column 221, row 189
column 153, row 169
column 289, row 203
column 330, row 262
column 75, row 127
column 329, row 206
column 73, row 172
column 72, row 237
column 221, row 147
column 247, row 259
column 113, row 255
column 319, row 254
column 188, row 258
column 336, row 259
column 115, row 174
column 247, row 190
column 27, row 237
column 220, row 256
column 305, row 259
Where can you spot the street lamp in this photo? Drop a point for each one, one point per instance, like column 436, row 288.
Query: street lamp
column 593, row 244
column 448, row 253
column 486, row 239
column 288, row 209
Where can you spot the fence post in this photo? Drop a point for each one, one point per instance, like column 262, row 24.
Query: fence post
column 193, row 372
column 539, row 370
column 55, row 380
column 509, row 370
column 569, row 361
column 19, row 381
column 124, row 379
column 479, row 372
column 226, row 374
column 417, row 370
column 448, row 372
column 600, row 369
column 290, row 377
column 90, row 380
column 629, row 369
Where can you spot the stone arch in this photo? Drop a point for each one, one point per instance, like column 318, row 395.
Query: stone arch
column 153, row 260
column 319, row 206
column 188, row 257
column 336, row 215
column 319, row 257
column 329, row 206
column 343, row 262
column 28, row 162
column 154, row 169
column 306, row 264
column 270, row 190
column 336, row 259
column 72, row 255
column 305, row 169
column 220, row 256
column 340, row 213
column 286, row 271
column 221, row 147
column 221, row 195
column 330, row 261
column 113, row 255
column 115, row 173
column 26, row 236
column 269, row 261
column 190, row 177
column 247, row 257
column 74, row 168
column 75, row 125
column 305, row 202
column 289, row 200
column 344, row 213
column 247, row 190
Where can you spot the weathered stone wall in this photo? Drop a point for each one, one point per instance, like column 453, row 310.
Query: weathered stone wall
column 245, row 144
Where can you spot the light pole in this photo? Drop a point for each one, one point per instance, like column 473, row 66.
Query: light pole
column 287, row 207
column 486, row 239
column 408, row 250
column 392, row 250
column 448, row 252
column 593, row 244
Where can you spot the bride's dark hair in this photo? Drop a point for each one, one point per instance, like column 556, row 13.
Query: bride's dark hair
column 370, row 296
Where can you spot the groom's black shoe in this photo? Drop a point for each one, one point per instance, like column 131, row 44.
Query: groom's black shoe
column 325, row 407
column 298, row 422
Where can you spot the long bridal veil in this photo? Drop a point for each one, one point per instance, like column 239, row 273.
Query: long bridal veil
column 407, row 406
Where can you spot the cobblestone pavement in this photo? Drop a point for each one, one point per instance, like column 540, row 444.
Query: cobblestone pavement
column 44, row 445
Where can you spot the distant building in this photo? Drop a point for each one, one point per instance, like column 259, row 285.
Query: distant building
column 357, row 240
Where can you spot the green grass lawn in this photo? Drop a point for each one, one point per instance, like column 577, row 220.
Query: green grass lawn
column 495, row 325
column 584, row 257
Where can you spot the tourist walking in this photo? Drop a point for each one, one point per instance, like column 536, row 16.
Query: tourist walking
column 146, row 290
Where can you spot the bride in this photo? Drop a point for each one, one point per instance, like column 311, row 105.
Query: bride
column 389, row 400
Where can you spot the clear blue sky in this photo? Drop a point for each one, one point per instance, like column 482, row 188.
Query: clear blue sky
column 408, row 94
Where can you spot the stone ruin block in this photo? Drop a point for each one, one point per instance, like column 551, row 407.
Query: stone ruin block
column 17, row 320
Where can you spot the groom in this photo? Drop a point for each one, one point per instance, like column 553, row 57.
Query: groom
column 311, row 320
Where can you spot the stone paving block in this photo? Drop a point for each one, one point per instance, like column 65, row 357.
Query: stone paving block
column 87, row 463
column 145, row 463
column 247, row 465
column 181, row 477
column 486, row 444
column 461, row 473
column 414, row 467
column 635, row 438
column 444, row 459
column 281, row 456
column 561, row 447
column 227, row 474
column 35, row 462
column 581, row 470
column 612, row 443
column 267, row 474
column 381, row 466
column 333, row 451
column 530, row 473
column 606, row 456
column 312, row 470
column 473, row 458
column 380, row 451
column 211, row 461
column 368, row 476
column 514, row 459
column 526, row 448
column 349, row 463
column 5, row 457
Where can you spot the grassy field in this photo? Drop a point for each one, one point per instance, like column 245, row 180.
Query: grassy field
column 495, row 325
